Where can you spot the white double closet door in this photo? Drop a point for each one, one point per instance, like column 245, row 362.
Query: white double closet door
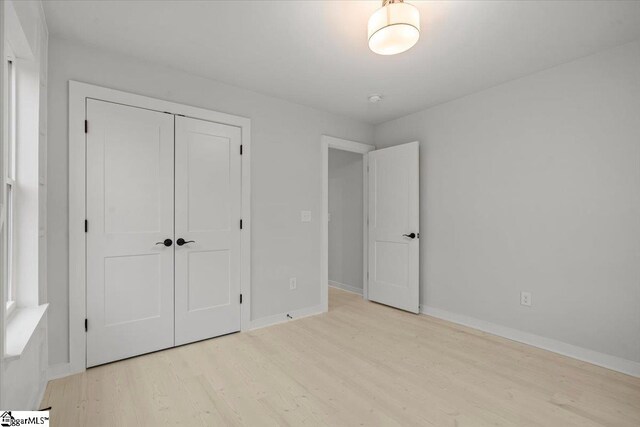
column 154, row 181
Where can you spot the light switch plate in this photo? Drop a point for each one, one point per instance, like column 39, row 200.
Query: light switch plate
column 305, row 216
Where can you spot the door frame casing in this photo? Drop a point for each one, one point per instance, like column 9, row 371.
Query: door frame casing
column 78, row 94
column 327, row 142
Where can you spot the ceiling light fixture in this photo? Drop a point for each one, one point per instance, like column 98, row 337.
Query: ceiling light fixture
column 394, row 28
column 375, row 98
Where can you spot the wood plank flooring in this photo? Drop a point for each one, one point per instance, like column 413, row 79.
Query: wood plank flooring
column 360, row 364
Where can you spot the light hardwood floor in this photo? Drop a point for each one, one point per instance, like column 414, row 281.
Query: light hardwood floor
column 360, row 364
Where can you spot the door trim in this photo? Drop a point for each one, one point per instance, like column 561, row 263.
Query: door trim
column 326, row 143
column 78, row 94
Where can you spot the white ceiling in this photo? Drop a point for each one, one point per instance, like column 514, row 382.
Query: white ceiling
column 315, row 52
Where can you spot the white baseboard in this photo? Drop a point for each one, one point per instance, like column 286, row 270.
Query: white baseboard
column 58, row 370
column 590, row 356
column 601, row 359
column 344, row 287
column 61, row 370
column 282, row 317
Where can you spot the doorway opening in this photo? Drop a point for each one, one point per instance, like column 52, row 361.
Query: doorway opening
column 344, row 217
column 346, row 201
column 390, row 222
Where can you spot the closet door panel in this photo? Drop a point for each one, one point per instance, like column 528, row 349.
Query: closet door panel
column 208, row 206
column 130, row 155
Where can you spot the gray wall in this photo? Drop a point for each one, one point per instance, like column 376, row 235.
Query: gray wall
column 534, row 185
column 345, row 226
column 286, row 163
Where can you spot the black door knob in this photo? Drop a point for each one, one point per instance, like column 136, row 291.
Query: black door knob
column 412, row 235
column 181, row 241
column 166, row 242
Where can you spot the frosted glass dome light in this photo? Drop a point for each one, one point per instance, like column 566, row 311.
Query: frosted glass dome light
column 394, row 28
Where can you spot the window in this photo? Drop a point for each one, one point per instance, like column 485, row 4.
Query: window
column 10, row 183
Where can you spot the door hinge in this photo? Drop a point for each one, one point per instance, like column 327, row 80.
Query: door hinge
column 241, row 149
column 86, row 226
column 240, row 298
column 86, row 325
column 86, row 126
column 240, row 224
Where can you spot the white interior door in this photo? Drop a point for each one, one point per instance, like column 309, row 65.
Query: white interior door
column 208, row 208
column 394, row 226
column 129, row 208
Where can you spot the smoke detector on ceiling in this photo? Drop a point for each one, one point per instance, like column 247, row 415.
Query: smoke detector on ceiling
column 375, row 98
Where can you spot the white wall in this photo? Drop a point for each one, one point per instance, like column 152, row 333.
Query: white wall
column 345, row 225
column 25, row 378
column 534, row 185
column 285, row 174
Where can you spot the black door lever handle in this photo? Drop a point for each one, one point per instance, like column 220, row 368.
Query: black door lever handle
column 181, row 241
column 166, row 242
column 411, row 236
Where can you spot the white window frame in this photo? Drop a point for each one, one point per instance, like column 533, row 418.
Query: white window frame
column 10, row 187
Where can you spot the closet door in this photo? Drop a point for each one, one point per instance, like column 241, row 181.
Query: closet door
column 207, row 229
column 130, row 213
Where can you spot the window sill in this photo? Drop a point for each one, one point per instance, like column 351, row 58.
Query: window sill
column 20, row 328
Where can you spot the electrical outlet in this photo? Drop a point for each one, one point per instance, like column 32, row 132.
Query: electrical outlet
column 305, row 216
column 292, row 283
column 525, row 298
